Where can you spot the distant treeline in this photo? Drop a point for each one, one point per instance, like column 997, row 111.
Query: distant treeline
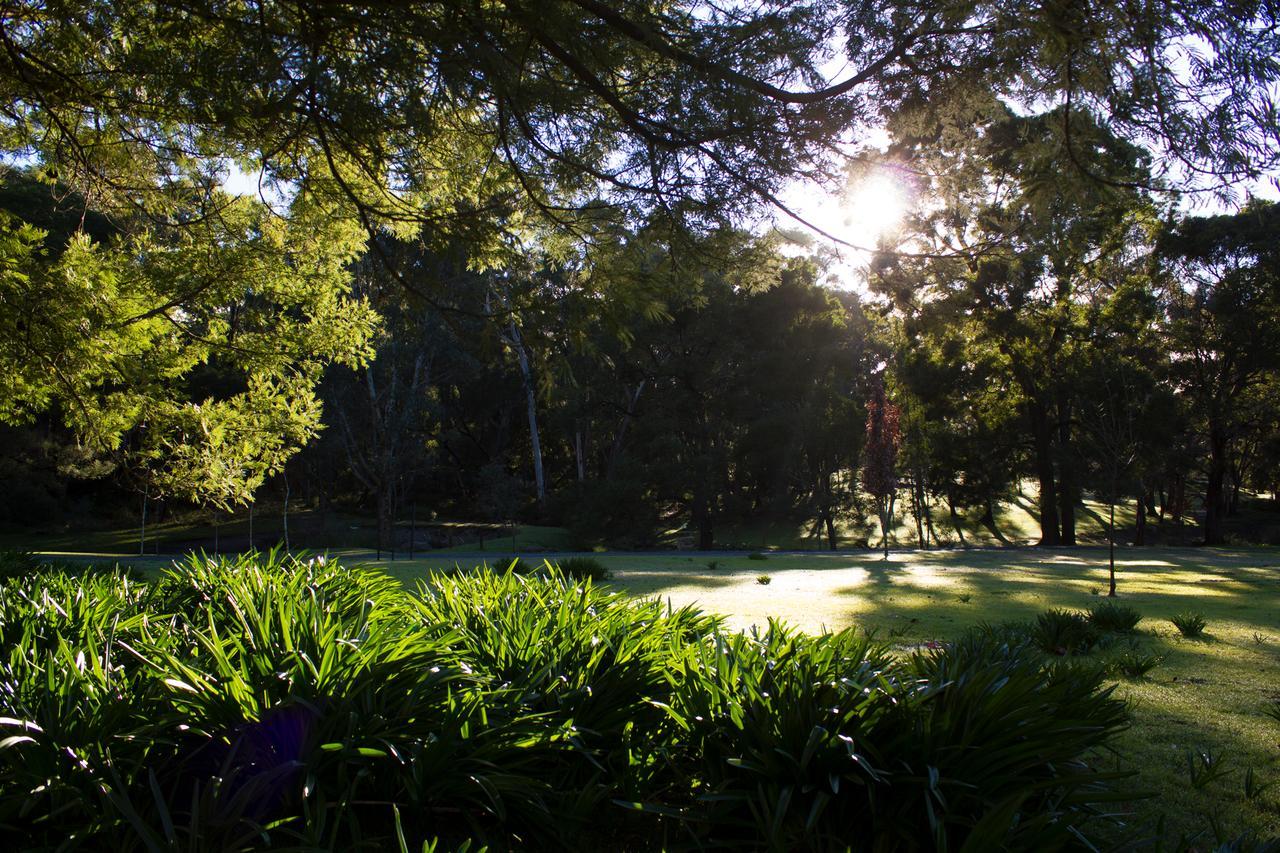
column 715, row 380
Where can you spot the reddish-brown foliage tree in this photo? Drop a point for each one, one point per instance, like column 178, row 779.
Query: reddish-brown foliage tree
column 879, row 473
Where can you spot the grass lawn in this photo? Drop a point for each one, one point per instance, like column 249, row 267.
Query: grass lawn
column 1207, row 695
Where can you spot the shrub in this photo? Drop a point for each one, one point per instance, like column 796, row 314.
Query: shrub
column 16, row 564
column 519, row 566
column 1064, row 632
column 1017, row 637
column 712, row 565
column 1205, row 768
column 764, row 580
column 1114, row 617
column 756, row 555
column 795, row 733
column 1190, row 624
column 583, row 568
column 1133, row 664
column 270, row 701
column 618, row 512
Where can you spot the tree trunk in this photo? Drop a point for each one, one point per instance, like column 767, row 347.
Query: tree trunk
column 1068, row 499
column 1048, row 504
column 1111, row 530
column 1178, row 499
column 884, row 525
column 706, row 531
column 579, row 454
column 531, row 405
column 386, row 521
column 1213, row 496
column 1068, row 489
column 284, row 518
column 955, row 521
column 931, row 536
column 989, row 521
column 1140, row 531
column 616, row 451
column 142, row 539
column 916, row 510
column 831, row 531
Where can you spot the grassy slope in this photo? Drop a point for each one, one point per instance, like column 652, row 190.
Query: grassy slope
column 1207, row 695
column 1016, row 520
column 336, row 532
column 1016, row 523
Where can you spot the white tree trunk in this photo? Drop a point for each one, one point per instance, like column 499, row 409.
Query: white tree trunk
column 531, row 403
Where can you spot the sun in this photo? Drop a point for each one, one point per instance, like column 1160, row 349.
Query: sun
column 877, row 205
column 865, row 216
column 874, row 207
column 871, row 207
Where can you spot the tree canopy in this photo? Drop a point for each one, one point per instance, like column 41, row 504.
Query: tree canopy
column 505, row 126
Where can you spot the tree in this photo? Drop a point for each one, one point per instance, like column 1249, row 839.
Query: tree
column 197, row 347
column 880, row 472
column 1016, row 235
column 1223, row 304
column 382, row 408
column 502, row 124
column 1123, row 415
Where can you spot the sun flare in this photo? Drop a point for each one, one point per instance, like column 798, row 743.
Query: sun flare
column 875, row 206
column 871, row 208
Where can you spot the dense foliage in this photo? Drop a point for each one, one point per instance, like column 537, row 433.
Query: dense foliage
column 218, row 167
column 273, row 702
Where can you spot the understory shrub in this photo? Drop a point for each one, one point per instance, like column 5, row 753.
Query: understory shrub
column 1064, row 632
column 1190, row 624
column 618, row 511
column 1133, row 663
column 1114, row 617
column 519, row 566
column 268, row 701
column 583, row 568
column 15, row 564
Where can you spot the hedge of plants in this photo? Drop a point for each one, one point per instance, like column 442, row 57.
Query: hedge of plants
column 269, row 702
